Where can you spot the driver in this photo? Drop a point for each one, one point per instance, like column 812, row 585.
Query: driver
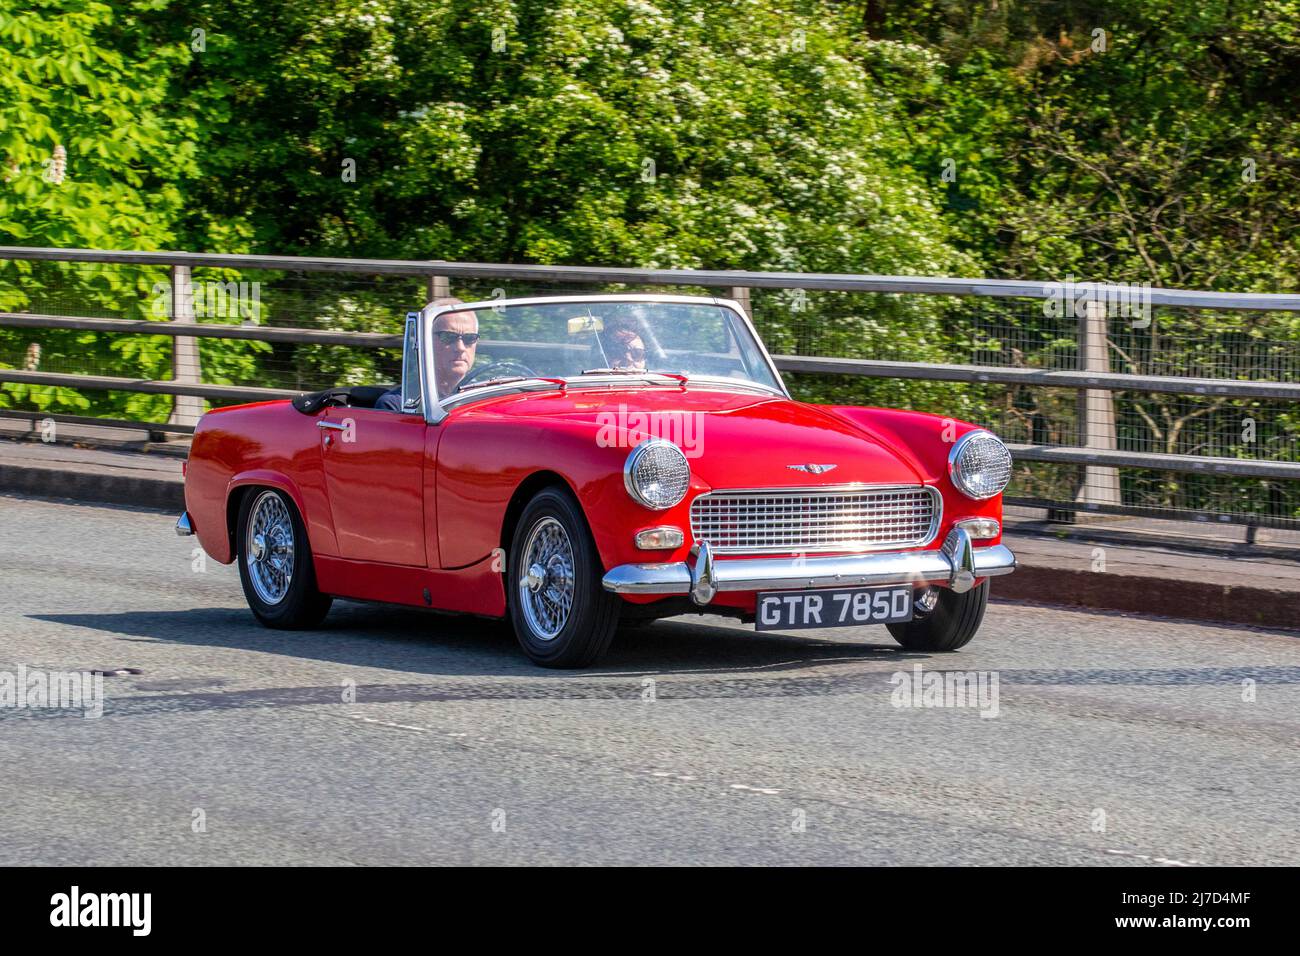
column 455, row 339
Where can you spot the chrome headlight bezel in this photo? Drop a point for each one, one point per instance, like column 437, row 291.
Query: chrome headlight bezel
column 962, row 481
column 637, row 456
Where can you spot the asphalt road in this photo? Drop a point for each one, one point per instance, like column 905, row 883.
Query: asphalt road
column 235, row 744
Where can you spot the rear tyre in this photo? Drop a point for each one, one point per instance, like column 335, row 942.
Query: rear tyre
column 561, row 614
column 275, row 563
column 950, row 625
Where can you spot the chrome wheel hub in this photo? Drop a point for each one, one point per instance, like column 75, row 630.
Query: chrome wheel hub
column 270, row 547
column 546, row 588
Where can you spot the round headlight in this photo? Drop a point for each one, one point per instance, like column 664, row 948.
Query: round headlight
column 656, row 474
column 980, row 465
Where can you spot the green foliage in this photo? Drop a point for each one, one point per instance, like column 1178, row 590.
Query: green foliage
column 93, row 79
column 1129, row 140
column 673, row 135
column 97, row 153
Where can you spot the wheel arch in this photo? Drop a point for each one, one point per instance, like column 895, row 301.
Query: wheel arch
column 524, row 493
column 246, row 482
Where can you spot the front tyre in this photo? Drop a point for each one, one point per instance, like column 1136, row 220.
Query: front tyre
column 950, row 624
column 275, row 564
column 561, row 614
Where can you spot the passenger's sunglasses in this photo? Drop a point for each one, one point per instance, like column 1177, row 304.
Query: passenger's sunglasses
column 448, row 337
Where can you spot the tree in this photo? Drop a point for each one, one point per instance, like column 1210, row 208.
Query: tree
column 97, row 153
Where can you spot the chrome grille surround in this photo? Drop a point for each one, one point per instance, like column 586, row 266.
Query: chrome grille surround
column 828, row 518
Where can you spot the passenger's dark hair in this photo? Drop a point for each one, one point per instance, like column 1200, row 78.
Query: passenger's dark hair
column 622, row 323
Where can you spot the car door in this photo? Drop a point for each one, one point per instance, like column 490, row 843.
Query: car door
column 375, row 463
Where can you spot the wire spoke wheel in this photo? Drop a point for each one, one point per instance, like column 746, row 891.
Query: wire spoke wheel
column 546, row 586
column 269, row 548
column 561, row 614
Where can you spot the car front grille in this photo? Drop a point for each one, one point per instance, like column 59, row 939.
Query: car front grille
column 854, row 518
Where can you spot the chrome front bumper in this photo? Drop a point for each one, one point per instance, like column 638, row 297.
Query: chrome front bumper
column 958, row 564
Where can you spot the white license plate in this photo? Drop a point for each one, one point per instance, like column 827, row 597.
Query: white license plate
column 843, row 607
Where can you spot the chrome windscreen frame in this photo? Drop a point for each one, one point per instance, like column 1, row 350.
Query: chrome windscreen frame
column 435, row 412
column 936, row 517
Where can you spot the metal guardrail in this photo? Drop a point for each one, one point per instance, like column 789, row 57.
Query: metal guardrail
column 1092, row 381
column 721, row 279
column 112, row 383
column 1054, row 378
column 37, row 418
column 258, row 333
column 1186, row 464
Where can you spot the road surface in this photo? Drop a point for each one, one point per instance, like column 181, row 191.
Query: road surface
column 402, row 737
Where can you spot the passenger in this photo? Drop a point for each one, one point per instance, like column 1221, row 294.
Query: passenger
column 622, row 343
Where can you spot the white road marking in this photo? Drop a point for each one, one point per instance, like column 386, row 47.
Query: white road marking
column 661, row 774
column 744, row 787
column 387, row 723
column 811, row 662
column 1155, row 859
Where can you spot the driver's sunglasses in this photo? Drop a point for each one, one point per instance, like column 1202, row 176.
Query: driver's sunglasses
column 635, row 354
column 448, row 337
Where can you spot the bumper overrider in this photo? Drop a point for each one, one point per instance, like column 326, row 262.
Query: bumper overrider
column 958, row 564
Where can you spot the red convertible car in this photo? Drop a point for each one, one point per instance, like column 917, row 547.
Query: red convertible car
column 570, row 462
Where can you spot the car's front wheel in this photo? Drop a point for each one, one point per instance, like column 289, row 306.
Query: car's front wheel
column 949, row 622
column 275, row 565
column 561, row 614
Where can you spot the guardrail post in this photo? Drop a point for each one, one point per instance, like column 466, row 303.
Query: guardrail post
column 186, row 409
column 439, row 286
column 741, row 295
column 1100, row 485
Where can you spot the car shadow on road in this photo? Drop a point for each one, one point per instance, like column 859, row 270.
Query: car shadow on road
column 414, row 641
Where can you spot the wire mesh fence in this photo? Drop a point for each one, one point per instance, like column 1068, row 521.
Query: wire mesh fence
column 984, row 331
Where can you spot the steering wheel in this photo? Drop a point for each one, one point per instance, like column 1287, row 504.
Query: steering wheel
column 497, row 370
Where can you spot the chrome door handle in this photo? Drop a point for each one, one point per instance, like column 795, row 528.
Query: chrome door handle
column 333, row 426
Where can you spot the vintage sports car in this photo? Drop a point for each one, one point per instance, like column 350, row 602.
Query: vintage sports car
column 570, row 462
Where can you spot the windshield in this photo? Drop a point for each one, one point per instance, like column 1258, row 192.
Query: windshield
column 477, row 346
